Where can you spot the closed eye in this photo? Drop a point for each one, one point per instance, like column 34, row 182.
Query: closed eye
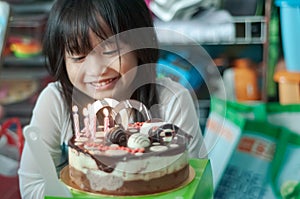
column 78, row 59
column 110, row 52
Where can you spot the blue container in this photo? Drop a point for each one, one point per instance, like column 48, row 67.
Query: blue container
column 290, row 30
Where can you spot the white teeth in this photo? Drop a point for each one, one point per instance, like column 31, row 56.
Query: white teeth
column 99, row 84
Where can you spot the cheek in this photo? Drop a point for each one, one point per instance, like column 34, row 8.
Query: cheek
column 128, row 63
column 73, row 73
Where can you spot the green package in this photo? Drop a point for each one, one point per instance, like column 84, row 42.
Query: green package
column 286, row 166
column 248, row 173
column 224, row 126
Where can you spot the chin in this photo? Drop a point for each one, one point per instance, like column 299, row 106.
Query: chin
column 101, row 97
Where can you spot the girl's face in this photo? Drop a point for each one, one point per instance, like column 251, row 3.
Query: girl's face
column 103, row 72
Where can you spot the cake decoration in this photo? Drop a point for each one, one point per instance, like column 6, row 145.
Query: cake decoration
column 139, row 157
column 138, row 140
column 117, row 135
column 106, row 120
column 76, row 121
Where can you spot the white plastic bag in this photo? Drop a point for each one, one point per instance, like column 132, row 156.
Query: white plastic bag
column 168, row 10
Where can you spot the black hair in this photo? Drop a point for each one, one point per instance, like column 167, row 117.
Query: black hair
column 68, row 29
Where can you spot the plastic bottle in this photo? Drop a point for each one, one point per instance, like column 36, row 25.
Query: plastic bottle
column 245, row 80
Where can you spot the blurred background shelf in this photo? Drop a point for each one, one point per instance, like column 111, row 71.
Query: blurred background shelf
column 30, row 63
column 30, row 6
column 22, row 72
column 240, row 30
column 250, row 30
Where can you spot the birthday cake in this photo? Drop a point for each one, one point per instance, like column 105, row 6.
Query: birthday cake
column 113, row 156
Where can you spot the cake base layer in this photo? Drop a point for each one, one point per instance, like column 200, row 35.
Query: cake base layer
column 137, row 187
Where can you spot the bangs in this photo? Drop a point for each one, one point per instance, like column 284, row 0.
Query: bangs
column 77, row 26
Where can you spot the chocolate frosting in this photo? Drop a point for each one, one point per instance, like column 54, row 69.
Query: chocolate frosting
column 118, row 136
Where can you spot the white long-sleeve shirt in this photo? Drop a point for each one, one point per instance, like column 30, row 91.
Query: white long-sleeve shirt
column 50, row 115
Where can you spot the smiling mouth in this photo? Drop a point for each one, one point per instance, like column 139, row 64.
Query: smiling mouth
column 104, row 83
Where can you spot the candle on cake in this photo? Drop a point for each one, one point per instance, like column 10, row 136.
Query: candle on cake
column 86, row 122
column 76, row 121
column 106, row 120
column 92, row 123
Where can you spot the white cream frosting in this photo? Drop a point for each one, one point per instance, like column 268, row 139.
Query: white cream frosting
column 145, row 169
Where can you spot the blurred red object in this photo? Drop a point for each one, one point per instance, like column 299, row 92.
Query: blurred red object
column 9, row 187
column 3, row 132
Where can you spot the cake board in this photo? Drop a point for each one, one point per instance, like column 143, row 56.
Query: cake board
column 200, row 187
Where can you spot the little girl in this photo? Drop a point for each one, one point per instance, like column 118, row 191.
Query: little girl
column 100, row 49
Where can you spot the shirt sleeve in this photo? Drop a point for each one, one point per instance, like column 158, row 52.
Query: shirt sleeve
column 49, row 117
column 181, row 111
column 179, row 108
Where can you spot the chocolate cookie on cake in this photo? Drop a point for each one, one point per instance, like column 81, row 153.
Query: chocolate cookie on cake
column 128, row 159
